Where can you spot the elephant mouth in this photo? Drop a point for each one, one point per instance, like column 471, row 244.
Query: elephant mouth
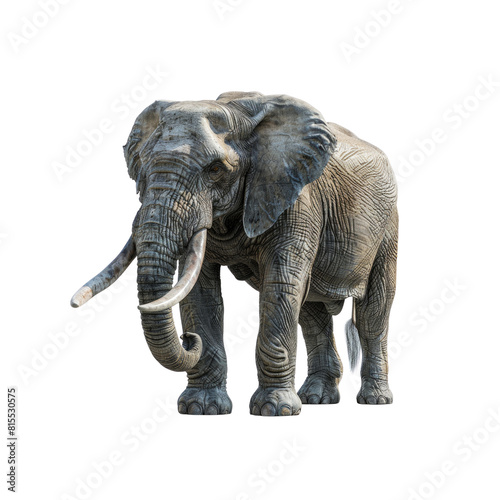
column 193, row 262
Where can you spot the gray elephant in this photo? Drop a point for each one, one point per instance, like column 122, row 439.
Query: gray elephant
column 302, row 210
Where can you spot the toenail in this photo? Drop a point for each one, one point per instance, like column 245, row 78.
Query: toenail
column 268, row 410
column 211, row 410
column 285, row 411
column 195, row 409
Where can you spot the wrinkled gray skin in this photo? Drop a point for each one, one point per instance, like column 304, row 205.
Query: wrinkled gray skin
column 303, row 211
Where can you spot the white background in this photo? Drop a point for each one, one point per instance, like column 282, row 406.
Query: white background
column 80, row 402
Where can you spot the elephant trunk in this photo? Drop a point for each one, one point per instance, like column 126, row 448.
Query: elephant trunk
column 157, row 255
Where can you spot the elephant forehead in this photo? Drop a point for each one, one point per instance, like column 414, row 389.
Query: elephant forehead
column 189, row 128
column 198, row 114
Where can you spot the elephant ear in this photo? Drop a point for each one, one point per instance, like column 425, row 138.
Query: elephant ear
column 290, row 147
column 145, row 125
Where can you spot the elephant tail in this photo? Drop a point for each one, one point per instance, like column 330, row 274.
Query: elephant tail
column 352, row 338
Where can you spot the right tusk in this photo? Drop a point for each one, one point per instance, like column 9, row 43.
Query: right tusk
column 107, row 276
column 192, row 267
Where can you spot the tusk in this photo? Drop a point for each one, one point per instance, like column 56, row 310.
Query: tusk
column 192, row 267
column 107, row 276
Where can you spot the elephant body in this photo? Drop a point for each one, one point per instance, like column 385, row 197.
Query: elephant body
column 303, row 211
column 329, row 209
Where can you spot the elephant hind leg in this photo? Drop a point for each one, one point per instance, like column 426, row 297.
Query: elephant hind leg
column 372, row 322
column 324, row 365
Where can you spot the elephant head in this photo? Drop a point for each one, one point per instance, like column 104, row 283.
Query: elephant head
column 195, row 162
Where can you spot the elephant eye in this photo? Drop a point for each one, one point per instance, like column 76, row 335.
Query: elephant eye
column 215, row 169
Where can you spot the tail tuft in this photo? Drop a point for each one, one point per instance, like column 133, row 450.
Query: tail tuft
column 353, row 344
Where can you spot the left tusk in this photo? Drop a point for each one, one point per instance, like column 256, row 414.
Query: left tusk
column 192, row 267
column 107, row 276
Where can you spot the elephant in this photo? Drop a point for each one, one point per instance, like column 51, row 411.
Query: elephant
column 302, row 210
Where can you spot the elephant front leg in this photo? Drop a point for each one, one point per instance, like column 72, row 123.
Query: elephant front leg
column 202, row 312
column 280, row 302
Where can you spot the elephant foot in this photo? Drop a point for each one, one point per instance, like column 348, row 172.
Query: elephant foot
column 374, row 392
column 197, row 401
column 272, row 401
column 318, row 389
